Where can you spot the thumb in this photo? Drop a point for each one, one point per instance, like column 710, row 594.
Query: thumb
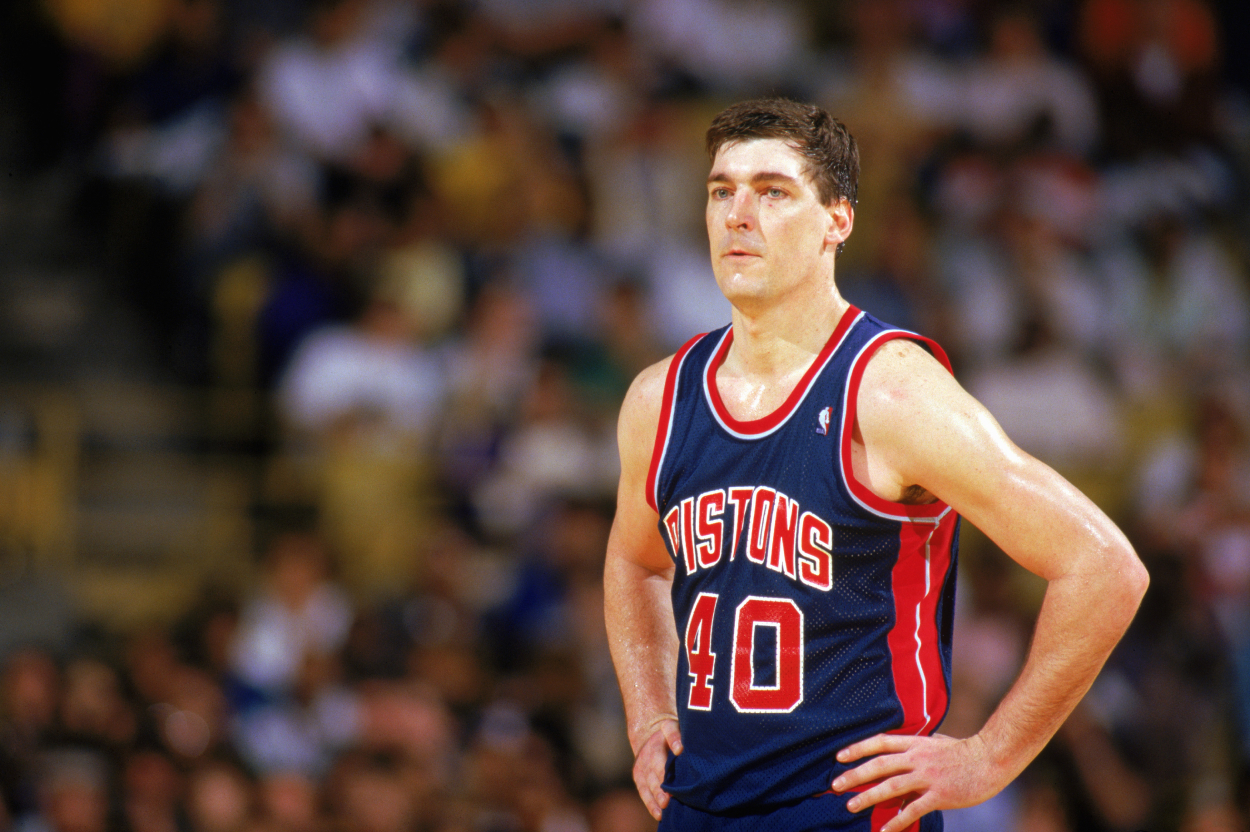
column 672, row 735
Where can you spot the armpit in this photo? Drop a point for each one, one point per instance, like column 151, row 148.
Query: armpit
column 916, row 495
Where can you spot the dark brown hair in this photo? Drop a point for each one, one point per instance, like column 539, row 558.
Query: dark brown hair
column 831, row 153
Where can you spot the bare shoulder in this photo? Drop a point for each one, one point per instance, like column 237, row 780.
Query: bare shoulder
column 640, row 411
column 918, row 425
column 903, row 377
column 635, row 537
column 646, row 392
column 903, row 367
column 922, row 428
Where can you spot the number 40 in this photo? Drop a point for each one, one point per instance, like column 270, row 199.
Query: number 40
column 781, row 614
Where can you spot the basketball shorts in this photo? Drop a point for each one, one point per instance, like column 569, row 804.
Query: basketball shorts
column 823, row 813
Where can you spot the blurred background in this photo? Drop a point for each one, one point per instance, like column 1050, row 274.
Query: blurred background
column 316, row 317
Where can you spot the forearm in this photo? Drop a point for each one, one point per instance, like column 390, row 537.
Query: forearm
column 639, row 615
column 1082, row 618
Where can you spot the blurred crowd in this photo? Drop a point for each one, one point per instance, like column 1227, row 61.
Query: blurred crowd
column 438, row 238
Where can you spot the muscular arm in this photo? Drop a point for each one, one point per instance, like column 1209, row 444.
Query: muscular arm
column 919, row 427
column 638, row 577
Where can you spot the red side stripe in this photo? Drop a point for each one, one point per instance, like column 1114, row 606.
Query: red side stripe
column 861, row 492
column 915, row 654
column 666, row 416
column 885, row 812
column 931, row 657
column 908, row 585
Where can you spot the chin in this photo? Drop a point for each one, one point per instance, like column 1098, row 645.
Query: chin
column 736, row 284
column 744, row 297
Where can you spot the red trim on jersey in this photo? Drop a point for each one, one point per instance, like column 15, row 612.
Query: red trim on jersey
column 772, row 420
column 666, row 418
column 940, row 546
column 917, row 581
column 862, row 493
column 887, row 811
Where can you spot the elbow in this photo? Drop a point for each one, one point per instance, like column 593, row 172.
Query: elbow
column 1138, row 579
column 1132, row 580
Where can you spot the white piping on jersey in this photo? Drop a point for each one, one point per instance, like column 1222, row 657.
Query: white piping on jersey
column 928, row 585
column 668, row 428
column 810, row 384
column 846, row 473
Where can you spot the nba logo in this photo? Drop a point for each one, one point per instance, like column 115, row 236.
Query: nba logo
column 822, row 421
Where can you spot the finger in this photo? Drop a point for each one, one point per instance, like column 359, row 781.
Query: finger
column 651, row 763
column 650, row 781
column 648, row 787
column 650, row 795
column 648, row 798
column 886, row 790
column 878, row 744
column 672, row 735
column 911, row 813
column 651, row 788
column 872, row 771
column 656, row 802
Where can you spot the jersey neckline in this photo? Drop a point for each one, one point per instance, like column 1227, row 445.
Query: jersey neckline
column 757, row 428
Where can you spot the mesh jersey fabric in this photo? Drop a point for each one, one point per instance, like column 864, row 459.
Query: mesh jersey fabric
column 811, row 612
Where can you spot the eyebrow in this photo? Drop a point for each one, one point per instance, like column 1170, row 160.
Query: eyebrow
column 762, row 176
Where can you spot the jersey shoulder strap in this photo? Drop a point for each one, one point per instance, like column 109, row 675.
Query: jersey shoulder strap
column 664, row 427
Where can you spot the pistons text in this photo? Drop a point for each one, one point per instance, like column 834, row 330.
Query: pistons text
column 779, row 534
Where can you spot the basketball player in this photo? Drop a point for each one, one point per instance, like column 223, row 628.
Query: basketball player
column 780, row 574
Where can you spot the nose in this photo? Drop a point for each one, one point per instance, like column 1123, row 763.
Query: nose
column 741, row 212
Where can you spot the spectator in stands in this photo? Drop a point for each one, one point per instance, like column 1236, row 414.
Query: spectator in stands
column 371, row 381
column 74, row 789
column 220, row 798
column 509, row 193
column 1155, row 65
column 1018, row 94
column 299, row 613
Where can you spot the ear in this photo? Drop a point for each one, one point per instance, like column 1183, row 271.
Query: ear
column 841, row 220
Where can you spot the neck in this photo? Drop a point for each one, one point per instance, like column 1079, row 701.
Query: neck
column 783, row 338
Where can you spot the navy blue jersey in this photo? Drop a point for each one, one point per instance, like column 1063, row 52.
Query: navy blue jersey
column 812, row 613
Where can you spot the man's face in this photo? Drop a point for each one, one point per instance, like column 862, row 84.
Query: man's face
column 768, row 231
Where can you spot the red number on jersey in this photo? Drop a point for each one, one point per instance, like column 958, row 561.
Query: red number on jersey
column 786, row 692
column 699, row 656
